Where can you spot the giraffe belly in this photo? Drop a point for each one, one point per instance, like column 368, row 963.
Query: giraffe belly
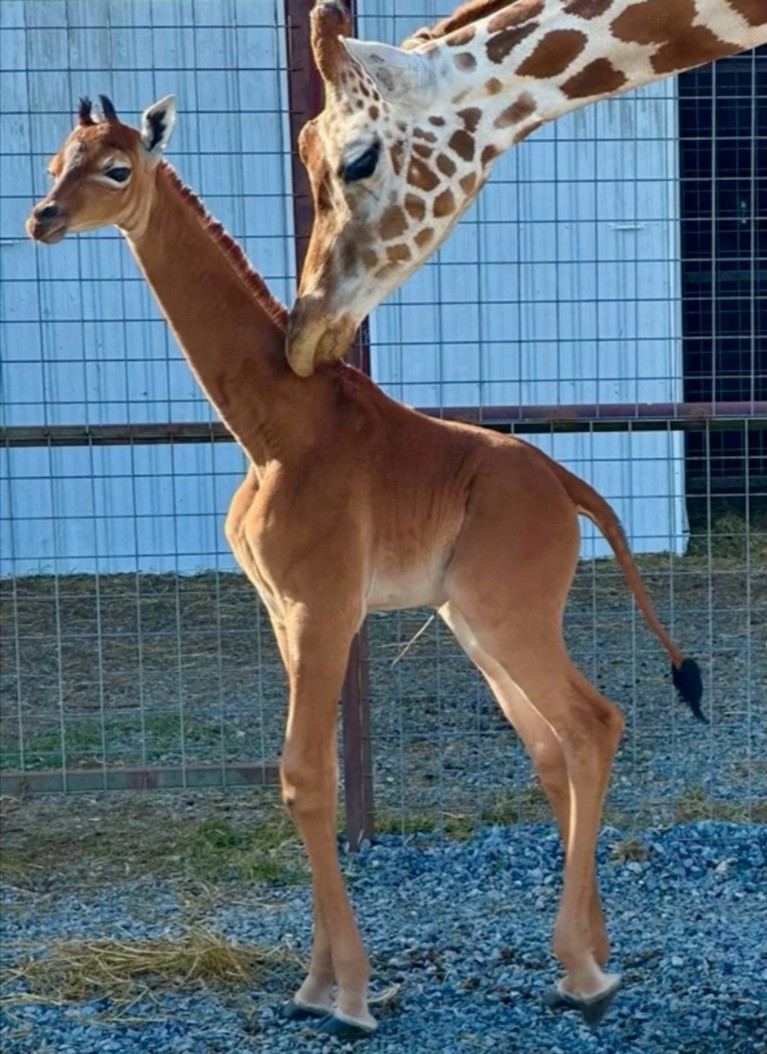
column 407, row 587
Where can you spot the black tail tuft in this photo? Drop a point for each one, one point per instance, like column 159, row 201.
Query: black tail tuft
column 689, row 683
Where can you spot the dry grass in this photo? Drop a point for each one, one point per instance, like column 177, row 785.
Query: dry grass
column 127, row 970
column 212, row 839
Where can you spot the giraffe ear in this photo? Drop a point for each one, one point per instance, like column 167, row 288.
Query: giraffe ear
column 399, row 74
column 157, row 124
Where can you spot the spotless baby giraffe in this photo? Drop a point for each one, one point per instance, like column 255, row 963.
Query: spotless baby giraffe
column 408, row 135
column 355, row 503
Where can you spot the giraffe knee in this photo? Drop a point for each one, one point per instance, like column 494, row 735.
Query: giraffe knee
column 307, row 786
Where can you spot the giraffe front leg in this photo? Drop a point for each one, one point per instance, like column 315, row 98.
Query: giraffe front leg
column 318, row 650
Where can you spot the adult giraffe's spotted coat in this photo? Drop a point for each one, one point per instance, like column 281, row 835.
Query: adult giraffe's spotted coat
column 408, row 134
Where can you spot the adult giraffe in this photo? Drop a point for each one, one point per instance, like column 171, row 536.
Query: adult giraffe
column 354, row 503
column 408, row 134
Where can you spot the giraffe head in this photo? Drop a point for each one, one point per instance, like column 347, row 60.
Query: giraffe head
column 392, row 162
column 102, row 173
column 407, row 134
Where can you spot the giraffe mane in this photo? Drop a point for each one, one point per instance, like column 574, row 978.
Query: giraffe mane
column 232, row 250
column 464, row 15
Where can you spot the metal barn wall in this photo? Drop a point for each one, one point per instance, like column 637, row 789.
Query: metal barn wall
column 81, row 338
column 560, row 286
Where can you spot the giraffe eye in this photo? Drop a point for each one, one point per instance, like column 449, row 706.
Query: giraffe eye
column 361, row 167
column 118, row 173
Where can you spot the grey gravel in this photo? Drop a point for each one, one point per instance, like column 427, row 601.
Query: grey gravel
column 463, row 929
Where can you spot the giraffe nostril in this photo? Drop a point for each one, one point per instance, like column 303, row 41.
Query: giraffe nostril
column 47, row 212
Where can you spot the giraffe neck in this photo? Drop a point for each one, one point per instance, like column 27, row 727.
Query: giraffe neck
column 228, row 326
column 533, row 60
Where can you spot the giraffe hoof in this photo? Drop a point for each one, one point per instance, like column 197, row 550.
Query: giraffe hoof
column 293, row 1011
column 591, row 1010
column 345, row 1031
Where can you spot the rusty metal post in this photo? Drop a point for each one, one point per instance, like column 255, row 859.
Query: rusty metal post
column 305, row 98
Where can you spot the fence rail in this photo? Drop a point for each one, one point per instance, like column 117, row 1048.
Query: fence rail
column 20, row 784
column 583, row 417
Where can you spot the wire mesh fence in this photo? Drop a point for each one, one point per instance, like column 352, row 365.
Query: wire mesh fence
column 134, row 653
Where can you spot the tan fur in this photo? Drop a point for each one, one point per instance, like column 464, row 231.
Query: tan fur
column 497, row 72
column 353, row 503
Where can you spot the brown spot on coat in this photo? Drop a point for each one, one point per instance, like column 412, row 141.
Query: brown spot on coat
column 424, row 237
column 586, row 8
column 493, row 86
column 600, row 77
column 656, row 22
column 696, row 46
column 516, row 112
column 415, row 206
column 470, row 117
column 369, row 258
column 462, row 143
column 396, row 153
column 499, row 46
column 554, row 53
column 468, row 182
column 424, row 133
column 373, row 113
column 444, row 203
column 349, row 257
column 515, row 14
column 420, row 175
column 392, row 223
column 398, row 253
column 488, row 154
column 464, row 60
column 422, row 150
column 437, row 121
column 751, row 11
column 446, row 165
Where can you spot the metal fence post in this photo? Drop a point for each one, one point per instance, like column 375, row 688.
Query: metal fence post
column 305, row 95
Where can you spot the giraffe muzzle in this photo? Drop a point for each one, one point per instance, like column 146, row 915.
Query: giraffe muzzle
column 314, row 340
column 45, row 223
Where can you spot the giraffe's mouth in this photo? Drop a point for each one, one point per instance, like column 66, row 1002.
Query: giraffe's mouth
column 313, row 340
column 47, row 231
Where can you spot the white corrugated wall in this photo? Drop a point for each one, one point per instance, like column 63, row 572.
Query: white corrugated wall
column 559, row 286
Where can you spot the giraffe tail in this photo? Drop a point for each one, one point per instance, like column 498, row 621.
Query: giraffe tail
column 685, row 672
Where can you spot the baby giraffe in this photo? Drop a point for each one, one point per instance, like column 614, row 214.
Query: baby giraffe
column 355, row 503
column 408, row 135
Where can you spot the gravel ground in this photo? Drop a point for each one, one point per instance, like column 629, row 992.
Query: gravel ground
column 463, row 929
